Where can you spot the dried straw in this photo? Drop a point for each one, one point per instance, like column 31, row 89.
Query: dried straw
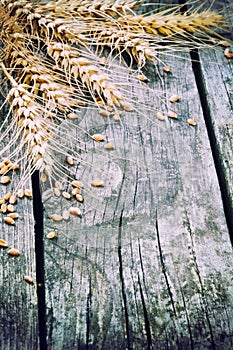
column 51, row 57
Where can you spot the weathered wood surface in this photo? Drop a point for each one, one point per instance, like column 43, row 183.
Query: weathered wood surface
column 219, row 114
column 149, row 263
column 18, row 299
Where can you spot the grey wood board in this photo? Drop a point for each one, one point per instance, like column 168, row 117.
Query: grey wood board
column 217, row 72
column 149, row 262
column 18, row 299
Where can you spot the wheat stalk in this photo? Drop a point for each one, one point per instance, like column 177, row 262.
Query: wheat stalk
column 51, row 56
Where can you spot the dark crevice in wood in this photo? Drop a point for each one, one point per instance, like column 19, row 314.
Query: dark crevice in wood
column 146, row 317
column 142, row 268
column 135, row 190
column 39, row 256
column 187, row 318
column 123, row 283
column 164, row 271
column 219, row 165
column 115, row 214
column 218, row 161
column 204, row 304
column 88, row 315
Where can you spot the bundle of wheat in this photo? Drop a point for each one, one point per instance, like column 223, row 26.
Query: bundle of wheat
column 52, row 55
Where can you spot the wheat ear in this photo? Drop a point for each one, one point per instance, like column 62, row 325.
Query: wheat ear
column 98, row 8
column 78, row 67
column 174, row 23
column 31, row 128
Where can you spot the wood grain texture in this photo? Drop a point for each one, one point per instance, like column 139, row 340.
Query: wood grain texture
column 148, row 264
column 218, row 110
column 18, row 300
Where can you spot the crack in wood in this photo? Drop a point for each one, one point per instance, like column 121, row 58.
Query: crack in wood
column 204, row 302
column 146, row 316
column 219, row 162
column 39, row 256
column 164, row 271
column 125, row 307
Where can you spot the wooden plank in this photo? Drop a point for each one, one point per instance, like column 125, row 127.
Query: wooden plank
column 148, row 264
column 215, row 75
column 18, row 300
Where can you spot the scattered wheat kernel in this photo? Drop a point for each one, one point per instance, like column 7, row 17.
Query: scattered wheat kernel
column 28, row 192
column 98, row 137
column 79, row 197
column 104, row 113
column 76, row 183
column 9, row 220
column 51, row 235
column 72, row 116
column 174, row 98
column 28, row 279
column 4, row 170
column 7, row 196
column 3, row 208
column 75, row 191
column 160, row 116
column 191, row 122
column 5, row 179
column 12, row 199
column 227, row 53
column 167, row 69
column 97, row 183
column 56, row 217
column 13, row 252
column 224, row 43
column 172, row 115
column 13, row 215
column 10, row 208
column 2, row 201
column 43, row 177
column 142, row 77
column 20, row 193
column 109, row 146
column 66, row 195
column 2, row 165
column 75, row 211
column 3, row 243
column 69, row 160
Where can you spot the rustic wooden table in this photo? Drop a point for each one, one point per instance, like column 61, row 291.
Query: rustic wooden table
column 149, row 263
